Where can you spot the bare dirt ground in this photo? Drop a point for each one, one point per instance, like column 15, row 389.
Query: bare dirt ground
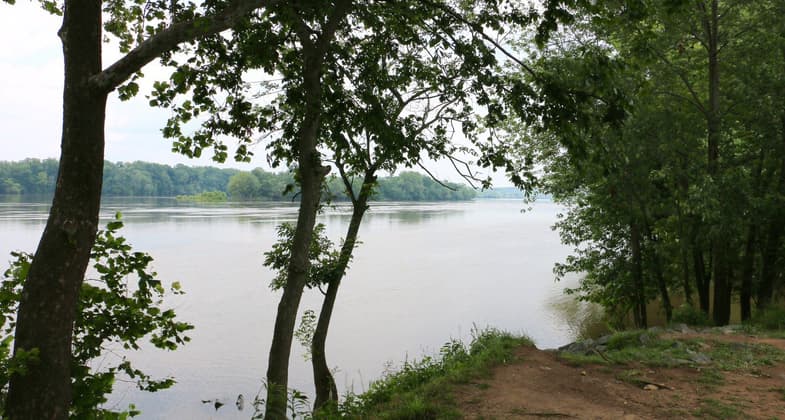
column 539, row 384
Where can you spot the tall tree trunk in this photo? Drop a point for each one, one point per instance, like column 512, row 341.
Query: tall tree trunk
column 637, row 275
column 748, row 260
column 49, row 301
column 685, row 274
column 774, row 237
column 684, row 250
column 312, row 174
column 745, row 298
column 326, row 391
column 722, row 285
column 48, row 305
column 702, row 279
column 664, row 295
column 719, row 249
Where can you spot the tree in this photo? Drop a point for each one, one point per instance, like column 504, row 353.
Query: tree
column 695, row 142
column 311, row 69
column 49, row 301
column 243, row 186
column 110, row 313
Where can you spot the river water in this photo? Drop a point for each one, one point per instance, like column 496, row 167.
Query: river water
column 425, row 273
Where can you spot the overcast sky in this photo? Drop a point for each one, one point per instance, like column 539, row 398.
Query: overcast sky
column 31, row 79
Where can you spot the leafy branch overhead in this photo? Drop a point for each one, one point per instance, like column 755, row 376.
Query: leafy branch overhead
column 406, row 75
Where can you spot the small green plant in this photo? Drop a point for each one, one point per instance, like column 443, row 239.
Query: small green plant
column 112, row 310
column 297, row 404
column 634, row 338
column 690, row 315
column 711, row 377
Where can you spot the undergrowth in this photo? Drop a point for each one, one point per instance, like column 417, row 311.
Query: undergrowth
column 649, row 349
column 422, row 389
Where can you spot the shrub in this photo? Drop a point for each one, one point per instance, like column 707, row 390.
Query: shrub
column 690, row 315
column 771, row 318
column 111, row 310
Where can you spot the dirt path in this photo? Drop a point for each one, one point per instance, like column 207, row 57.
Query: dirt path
column 541, row 385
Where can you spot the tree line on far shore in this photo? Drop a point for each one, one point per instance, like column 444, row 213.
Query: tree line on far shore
column 146, row 179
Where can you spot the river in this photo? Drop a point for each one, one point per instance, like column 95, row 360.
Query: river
column 424, row 273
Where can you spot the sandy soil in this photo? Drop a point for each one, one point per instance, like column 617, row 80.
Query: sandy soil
column 541, row 385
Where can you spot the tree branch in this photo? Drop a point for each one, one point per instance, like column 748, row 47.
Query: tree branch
column 169, row 38
column 419, row 163
column 479, row 31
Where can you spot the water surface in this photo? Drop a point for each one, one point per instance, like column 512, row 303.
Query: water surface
column 424, row 273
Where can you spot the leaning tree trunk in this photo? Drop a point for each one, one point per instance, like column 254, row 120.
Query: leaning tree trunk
column 326, row 391
column 49, row 302
column 312, row 174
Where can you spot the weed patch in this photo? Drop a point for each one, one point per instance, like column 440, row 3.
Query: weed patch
column 423, row 389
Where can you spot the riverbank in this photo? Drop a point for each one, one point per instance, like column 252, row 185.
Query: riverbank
column 680, row 372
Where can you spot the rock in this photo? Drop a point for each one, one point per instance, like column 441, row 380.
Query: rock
column 644, row 338
column 579, row 347
column 656, row 330
column 730, row 329
column 583, row 373
column 738, row 346
column 604, row 340
column 650, row 387
column 684, row 329
column 700, row 358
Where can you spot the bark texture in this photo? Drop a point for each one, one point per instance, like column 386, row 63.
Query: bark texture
column 49, row 300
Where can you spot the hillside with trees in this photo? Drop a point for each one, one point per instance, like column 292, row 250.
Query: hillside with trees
column 145, row 179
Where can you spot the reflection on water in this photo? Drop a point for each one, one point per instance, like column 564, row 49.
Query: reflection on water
column 424, row 273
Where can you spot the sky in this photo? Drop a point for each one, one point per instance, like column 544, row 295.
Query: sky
column 31, row 85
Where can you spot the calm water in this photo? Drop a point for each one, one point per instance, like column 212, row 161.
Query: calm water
column 424, row 273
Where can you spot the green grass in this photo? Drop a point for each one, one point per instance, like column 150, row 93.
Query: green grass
column 711, row 378
column 711, row 408
column 772, row 318
column 644, row 347
column 422, row 389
